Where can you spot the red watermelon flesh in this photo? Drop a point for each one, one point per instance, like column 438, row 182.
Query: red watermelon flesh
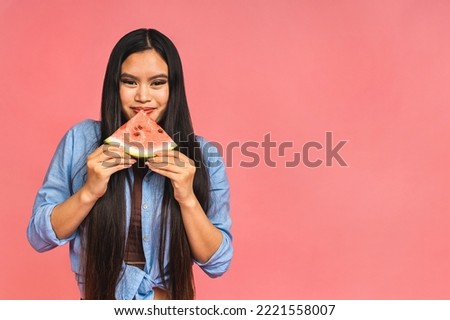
column 141, row 137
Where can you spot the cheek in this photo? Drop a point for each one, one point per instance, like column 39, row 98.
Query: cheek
column 124, row 95
column 165, row 97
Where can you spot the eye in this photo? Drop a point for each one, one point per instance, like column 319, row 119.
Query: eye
column 158, row 82
column 128, row 82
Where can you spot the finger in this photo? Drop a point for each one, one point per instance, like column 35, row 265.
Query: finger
column 162, row 153
column 171, row 153
column 98, row 151
column 114, row 153
column 164, row 162
column 170, row 159
column 169, row 166
column 114, row 162
column 179, row 155
column 166, row 166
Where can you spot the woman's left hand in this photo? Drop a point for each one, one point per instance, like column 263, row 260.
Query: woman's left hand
column 179, row 169
column 204, row 238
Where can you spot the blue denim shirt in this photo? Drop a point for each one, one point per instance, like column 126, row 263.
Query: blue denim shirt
column 66, row 175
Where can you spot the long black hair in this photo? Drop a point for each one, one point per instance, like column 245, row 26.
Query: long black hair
column 104, row 227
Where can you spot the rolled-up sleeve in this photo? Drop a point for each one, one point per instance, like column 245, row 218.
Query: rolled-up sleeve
column 218, row 212
column 58, row 185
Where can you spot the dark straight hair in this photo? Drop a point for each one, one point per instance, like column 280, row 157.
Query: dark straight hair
column 105, row 226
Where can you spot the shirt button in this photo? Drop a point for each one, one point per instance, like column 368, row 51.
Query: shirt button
column 145, row 206
column 145, row 238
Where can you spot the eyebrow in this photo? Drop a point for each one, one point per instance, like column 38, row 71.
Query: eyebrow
column 161, row 75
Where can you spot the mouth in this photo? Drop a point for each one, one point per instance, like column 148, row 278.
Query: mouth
column 147, row 110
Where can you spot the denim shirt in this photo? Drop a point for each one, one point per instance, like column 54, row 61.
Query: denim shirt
column 67, row 174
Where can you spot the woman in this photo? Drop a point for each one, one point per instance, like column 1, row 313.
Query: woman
column 136, row 228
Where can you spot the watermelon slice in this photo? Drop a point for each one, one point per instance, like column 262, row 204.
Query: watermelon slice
column 141, row 137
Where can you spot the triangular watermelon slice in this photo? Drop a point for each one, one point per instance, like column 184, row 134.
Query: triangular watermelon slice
column 141, row 137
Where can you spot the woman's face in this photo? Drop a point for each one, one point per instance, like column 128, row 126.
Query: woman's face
column 144, row 84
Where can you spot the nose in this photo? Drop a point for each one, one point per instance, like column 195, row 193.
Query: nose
column 142, row 94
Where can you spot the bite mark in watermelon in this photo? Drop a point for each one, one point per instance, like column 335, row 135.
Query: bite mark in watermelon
column 141, row 137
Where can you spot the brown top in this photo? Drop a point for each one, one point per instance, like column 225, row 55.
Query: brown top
column 134, row 251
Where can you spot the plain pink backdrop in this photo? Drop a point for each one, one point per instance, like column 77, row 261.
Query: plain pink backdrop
column 375, row 73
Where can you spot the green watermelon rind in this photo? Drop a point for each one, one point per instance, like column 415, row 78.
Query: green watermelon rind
column 145, row 146
column 136, row 152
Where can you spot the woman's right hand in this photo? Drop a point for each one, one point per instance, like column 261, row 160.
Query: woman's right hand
column 101, row 164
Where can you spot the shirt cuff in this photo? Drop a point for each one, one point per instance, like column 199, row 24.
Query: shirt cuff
column 49, row 234
column 219, row 262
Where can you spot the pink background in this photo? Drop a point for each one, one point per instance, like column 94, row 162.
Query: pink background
column 375, row 73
